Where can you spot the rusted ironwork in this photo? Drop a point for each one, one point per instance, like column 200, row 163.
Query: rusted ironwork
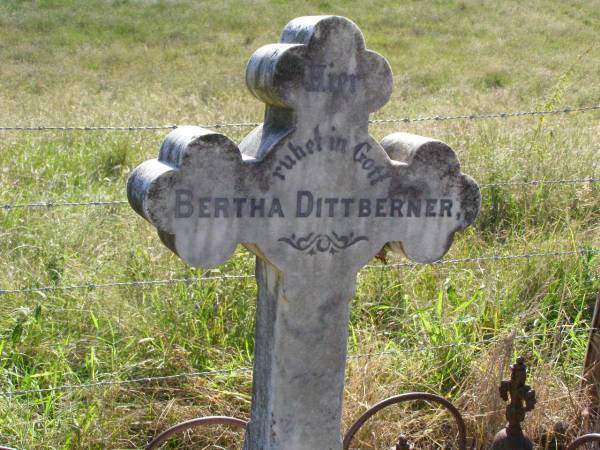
column 585, row 439
column 591, row 370
column 522, row 399
column 412, row 396
column 202, row 421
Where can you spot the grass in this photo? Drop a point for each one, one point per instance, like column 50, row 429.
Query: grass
column 161, row 62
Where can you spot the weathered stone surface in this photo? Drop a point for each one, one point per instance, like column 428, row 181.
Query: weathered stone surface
column 314, row 196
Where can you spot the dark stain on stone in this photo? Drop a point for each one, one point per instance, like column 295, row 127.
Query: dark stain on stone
column 168, row 240
column 470, row 199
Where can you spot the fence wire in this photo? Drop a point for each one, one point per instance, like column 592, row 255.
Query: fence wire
column 59, row 203
column 192, row 280
column 472, row 116
column 211, row 373
column 113, row 284
column 517, row 183
column 475, row 259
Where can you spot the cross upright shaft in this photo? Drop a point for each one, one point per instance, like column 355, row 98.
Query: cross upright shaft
column 314, row 196
column 299, row 361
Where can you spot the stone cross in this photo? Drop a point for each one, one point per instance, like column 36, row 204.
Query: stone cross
column 314, row 197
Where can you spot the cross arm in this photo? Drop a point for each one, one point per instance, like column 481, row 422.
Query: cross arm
column 435, row 161
column 193, row 164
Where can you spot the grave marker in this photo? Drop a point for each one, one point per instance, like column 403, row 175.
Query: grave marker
column 314, row 196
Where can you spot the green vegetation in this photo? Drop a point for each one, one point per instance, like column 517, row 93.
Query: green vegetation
column 159, row 62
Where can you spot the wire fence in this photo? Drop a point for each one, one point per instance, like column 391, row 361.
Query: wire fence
column 114, row 381
column 472, row 116
column 191, row 280
column 61, row 204
column 212, row 373
column 523, row 183
column 130, row 283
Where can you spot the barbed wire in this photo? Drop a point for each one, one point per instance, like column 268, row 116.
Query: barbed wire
column 589, row 180
column 191, row 280
column 209, row 373
column 112, row 284
column 472, row 116
column 499, row 115
column 580, row 251
column 476, row 343
column 95, row 128
column 68, row 387
column 60, row 203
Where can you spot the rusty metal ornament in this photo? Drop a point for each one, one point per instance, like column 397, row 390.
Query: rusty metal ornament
column 202, row 421
column 585, row 439
column 522, row 399
column 412, row 396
